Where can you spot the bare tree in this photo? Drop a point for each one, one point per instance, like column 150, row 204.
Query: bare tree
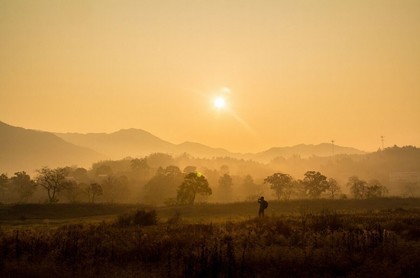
column 94, row 190
column 53, row 181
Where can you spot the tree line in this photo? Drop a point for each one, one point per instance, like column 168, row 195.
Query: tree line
column 155, row 180
column 314, row 185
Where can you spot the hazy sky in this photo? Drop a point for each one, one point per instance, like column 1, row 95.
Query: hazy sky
column 296, row 71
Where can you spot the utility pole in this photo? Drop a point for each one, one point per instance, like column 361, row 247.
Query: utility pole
column 382, row 140
column 332, row 144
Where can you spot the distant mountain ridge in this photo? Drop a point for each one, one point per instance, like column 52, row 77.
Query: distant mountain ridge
column 303, row 150
column 120, row 144
column 25, row 149
column 137, row 143
column 30, row 149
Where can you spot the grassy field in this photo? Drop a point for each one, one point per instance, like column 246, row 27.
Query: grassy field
column 62, row 214
column 306, row 238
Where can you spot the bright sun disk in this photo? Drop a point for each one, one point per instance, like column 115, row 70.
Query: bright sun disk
column 219, row 102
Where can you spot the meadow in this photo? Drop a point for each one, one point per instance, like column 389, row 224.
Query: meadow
column 299, row 238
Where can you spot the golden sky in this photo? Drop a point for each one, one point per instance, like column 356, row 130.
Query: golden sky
column 296, row 71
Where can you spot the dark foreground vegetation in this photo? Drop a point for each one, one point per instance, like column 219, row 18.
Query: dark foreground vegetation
column 311, row 239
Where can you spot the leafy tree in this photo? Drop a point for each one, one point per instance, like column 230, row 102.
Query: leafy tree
column 194, row 183
column 22, row 184
column 375, row 189
column 4, row 184
column 225, row 187
column 53, row 181
column 80, row 174
column 410, row 189
column 163, row 185
column 363, row 190
column 103, row 170
column 224, row 169
column 190, row 169
column 357, row 187
column 72, row 190
column 281, row 184
column 157, row 160
column 140, row 168
column 314, row 183
column 94, row 190
column 250, row 188
column 333, row 188
column 139, row 164
column 114, row 188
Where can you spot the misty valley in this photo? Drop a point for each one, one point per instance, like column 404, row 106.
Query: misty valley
column 223, row 139
column 179, row 215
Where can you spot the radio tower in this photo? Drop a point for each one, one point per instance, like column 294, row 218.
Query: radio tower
column 332, row 144
column 382, row 140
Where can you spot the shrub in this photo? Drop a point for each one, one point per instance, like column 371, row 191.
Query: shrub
column 137, row 218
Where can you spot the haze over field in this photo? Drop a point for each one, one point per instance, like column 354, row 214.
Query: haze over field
column 239, row 75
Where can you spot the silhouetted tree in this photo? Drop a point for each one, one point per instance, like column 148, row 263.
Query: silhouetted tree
column 157, row 160
column 194, row 183
column 53, row 181
column 22, row 184
column 357, row 187
column 375, row 189
column 281, row 184
column 225, row 187
column 250, row 188
column 163, row 185
column 114, row 188
column 140, row 168
column 333, row 188
column 314, row 183
column 4, row 185
column 72, row 190
column 94, row 190
column 139, row 164
column 190, row 169
column 80, row 174
column 103, row 170
column 410, row 189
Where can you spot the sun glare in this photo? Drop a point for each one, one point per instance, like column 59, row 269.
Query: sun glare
column 219, row 102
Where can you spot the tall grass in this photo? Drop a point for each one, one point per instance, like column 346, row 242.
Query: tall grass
column 325, row 243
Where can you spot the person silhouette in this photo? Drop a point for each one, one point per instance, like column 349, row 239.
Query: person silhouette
column 263, row 205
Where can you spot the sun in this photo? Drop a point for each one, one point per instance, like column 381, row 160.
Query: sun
column 219, row 102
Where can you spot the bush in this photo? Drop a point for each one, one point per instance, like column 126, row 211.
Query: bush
column 137, row 218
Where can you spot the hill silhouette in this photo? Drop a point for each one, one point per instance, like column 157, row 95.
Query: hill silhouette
column 25, row 149
column 138, row 143
column 29, row 149
column 120, row 144
column 304, row 151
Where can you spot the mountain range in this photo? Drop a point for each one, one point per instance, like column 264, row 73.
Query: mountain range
column 26, row 149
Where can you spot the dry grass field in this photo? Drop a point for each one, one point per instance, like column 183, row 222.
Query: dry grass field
column 316, row 238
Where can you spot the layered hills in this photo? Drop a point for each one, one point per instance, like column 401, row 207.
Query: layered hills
column 26, row 149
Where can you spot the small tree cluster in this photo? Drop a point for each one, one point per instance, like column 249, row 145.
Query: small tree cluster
column 313, row 185
column 360, row 189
